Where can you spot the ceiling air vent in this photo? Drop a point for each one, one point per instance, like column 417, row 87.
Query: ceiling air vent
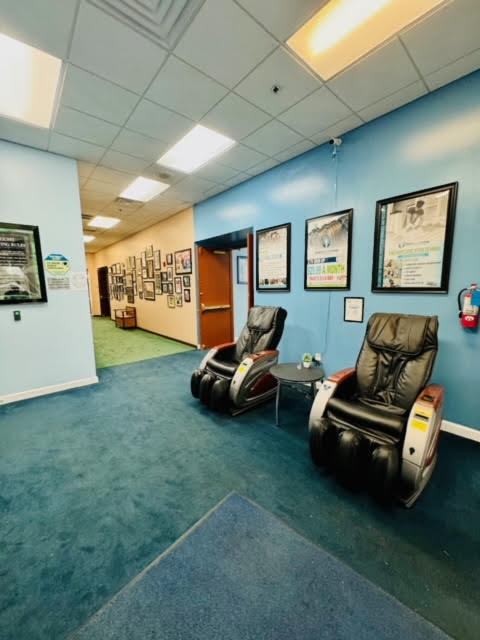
column 163, row 21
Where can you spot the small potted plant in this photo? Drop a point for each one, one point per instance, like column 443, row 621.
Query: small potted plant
column 307, row 359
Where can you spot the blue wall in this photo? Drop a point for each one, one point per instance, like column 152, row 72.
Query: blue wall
column 432, row 141
column 240, row 295
column 53, row 342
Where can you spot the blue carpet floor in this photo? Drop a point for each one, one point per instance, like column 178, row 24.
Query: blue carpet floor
column 241, row 574
column 95, row 483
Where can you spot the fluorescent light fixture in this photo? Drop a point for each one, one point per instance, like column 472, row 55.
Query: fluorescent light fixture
column 143, row 189
column 29, row 79
column 103, row 223
column 343, row 31
column 195, row 149
column 88, row 238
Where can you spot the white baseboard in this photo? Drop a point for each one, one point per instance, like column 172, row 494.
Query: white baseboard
column 461, row 430
column 43, row 391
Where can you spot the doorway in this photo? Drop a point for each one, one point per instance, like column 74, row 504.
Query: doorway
column 225, row 281
column 103, row 292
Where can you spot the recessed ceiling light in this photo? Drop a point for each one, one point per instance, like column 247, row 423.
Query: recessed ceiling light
column 195, row 149
column 29, row 79
column 143, row 189
column 345, row 30
column 88, row 238
column 102, row 222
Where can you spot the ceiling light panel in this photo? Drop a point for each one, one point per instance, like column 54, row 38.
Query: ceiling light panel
column 29, row 79
column 87, row 239
column 103, row 222
column 143, row 189
column 195, row 149
column 343, row 31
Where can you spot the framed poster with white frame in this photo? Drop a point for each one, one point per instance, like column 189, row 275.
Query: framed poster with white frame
column 353, row 309
column 158, row 283
column 178, row 285
column 157, row 259
column 413, row 241
column 273, row 258
column 328, row 248
column 149, row 290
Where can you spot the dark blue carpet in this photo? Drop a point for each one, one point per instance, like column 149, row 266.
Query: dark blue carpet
column 241, row 574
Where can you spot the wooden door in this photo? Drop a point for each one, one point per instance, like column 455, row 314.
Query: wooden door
column 103, row 291
column 215, row 296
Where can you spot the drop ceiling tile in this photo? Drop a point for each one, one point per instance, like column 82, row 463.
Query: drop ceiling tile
column 235, row 117
column 396, row 100
column 95, row 199
column 123, row 162
column 215, row 172
column 22, row 133
column 93, row 95
column 315, row 112
column 224, row 42
column 45, row 24
column 453, row 71
column 263, row 166
column 241, row 158
column 75, row 148
column 282, row 17
column 110, row 49
column 103, row 174
column 214, row 191
column 182, row 88
column 282, row 70
column 441, row 38
column 273, row 138
column 84, row 127
column 138, row 145
column 85, row 169
column 119, row 209
column 192, row 187
column 376, row 76
column 240, row 177
column 157, row 122
column 338, row 129
column 296, row 150
column 165, row 174
column 104, row 187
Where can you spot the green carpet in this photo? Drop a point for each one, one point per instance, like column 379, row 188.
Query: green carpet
column 96, row 482
column 115, row 346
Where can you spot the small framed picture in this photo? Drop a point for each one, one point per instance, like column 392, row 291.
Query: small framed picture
column 170, row 288
column 144, row 273
column 149, row 251
column 158, row 283
column 150, row 269
column 178, row 300
column 170, row 274
column 143, row 259
column 171, row 302
column 183, row 261
column 186, row 295
column 353, row 309
column 186, row 281
column 164, row 287
column 164, row 276
column 157, row 259
column 149, row 290
column 178, row 285
column 169, row 258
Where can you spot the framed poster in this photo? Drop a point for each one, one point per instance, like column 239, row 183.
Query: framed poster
column 169, row 258
column 328, row 247
column 148, row 290
column 242, row 270
column 178, row 285
column 164, row 276
column 273, row 258
column 353, row 309
column 413, row 241
column 143, row 259
column 158, row 283
column 171, row 302
column 178, row 300
column 157, row 259
column 186, row 281
column 164, row 287
column 144, row 273
column 183, row 261
column 170, row 288
column 149, row 251
column 170, row 274
column 21, row 267
column 186, row 295
column 150, row 270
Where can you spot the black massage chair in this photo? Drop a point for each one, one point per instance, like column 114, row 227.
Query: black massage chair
column 235, row 376
column 377, row 426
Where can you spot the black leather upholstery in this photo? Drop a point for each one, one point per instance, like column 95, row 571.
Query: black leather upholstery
column 362, row 429
column 263, row 331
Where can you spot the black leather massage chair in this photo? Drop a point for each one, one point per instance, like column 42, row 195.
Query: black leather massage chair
column 377, row 425
column 235, row 376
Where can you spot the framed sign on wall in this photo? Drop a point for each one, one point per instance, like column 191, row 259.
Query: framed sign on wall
column 328, row 248
column 21, row 268
column 413, row 241
column 273, row 258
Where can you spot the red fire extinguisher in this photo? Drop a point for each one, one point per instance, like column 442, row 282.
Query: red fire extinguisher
column 468, row 310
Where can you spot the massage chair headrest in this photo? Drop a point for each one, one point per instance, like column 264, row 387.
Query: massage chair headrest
column 406, row 334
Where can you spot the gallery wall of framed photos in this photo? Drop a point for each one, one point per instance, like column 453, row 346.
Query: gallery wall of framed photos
column 154, row 271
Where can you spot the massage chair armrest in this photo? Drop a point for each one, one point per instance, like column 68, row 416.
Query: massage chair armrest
column 222, row 349
column 264, row 354
column 432, row 396
column 340, row 383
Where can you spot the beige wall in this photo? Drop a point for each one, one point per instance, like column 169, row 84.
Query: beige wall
column 169, row 236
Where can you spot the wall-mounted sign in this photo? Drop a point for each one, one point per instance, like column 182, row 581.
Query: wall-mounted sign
column 57, row 264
